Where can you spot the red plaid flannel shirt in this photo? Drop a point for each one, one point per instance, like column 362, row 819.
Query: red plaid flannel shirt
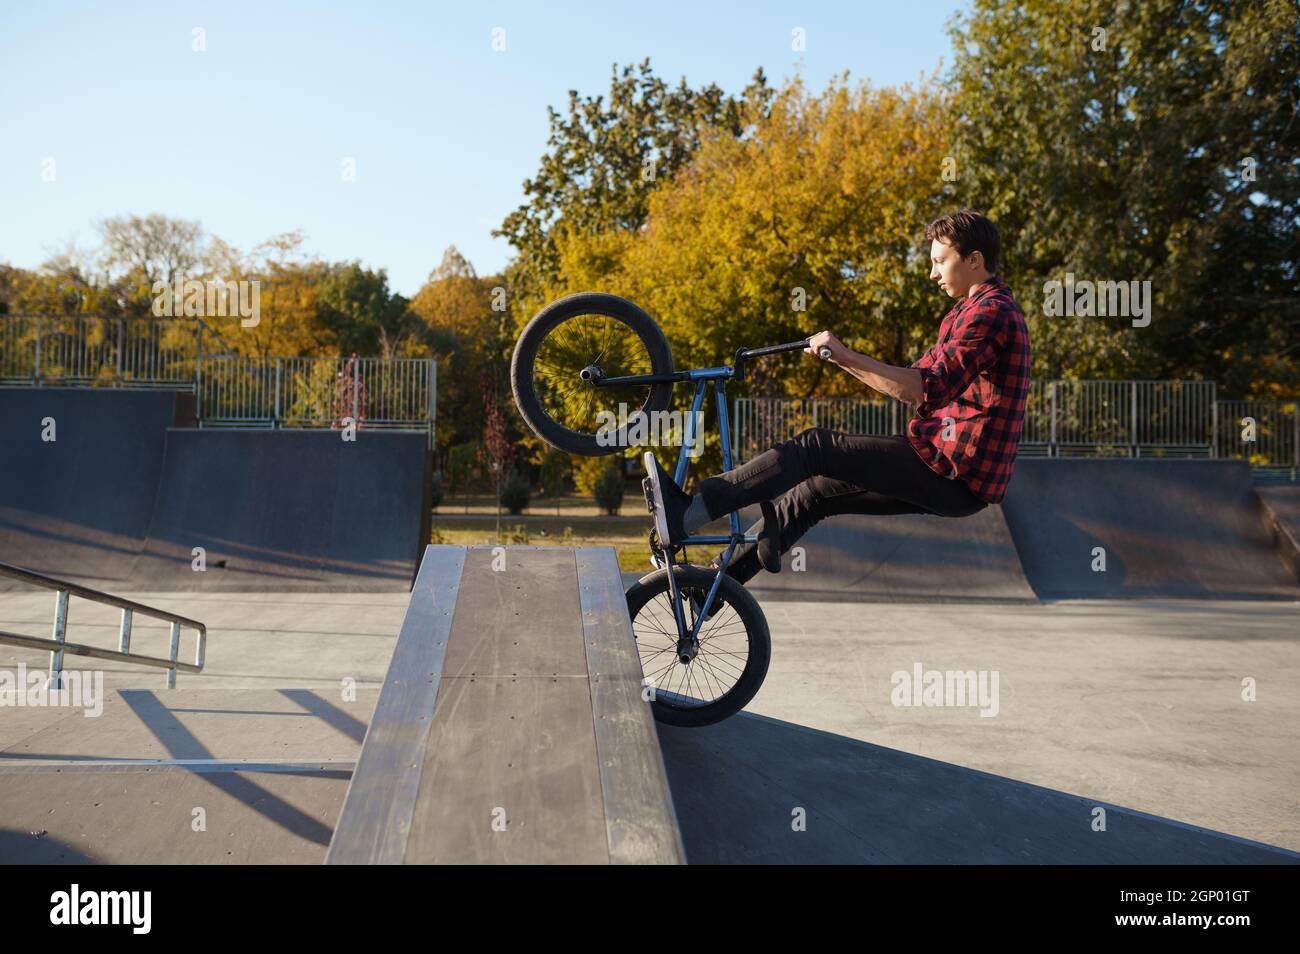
column 977, row 375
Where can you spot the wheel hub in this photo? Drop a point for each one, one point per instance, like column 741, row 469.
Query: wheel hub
column 592, row 373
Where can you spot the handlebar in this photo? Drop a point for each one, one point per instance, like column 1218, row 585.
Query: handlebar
column 744, row 354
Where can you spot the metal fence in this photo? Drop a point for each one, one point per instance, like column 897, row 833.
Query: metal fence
column 1071, row 418
column 93, row 350
column 317, row 392
column 1120, row 418
column 231, row 390
column 1267, row 433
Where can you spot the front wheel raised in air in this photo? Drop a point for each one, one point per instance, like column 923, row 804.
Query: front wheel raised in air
column 734, row 650
column 565, row 349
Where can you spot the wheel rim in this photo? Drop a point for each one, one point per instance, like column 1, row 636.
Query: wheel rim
column 717, row 667
column 580, row 342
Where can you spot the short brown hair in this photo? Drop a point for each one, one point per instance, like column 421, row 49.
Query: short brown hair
column 967, row 231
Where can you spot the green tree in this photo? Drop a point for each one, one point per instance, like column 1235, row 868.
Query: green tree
column 1142, row 141
column 357, row 312
column 467, row 328
column 814, row 221
column 605, row 158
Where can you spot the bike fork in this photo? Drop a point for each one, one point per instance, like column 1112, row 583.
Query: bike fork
column 688, row 643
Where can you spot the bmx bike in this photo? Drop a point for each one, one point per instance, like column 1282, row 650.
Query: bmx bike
column 702, row 638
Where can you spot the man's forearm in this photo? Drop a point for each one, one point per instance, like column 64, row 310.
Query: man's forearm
column 901, row 383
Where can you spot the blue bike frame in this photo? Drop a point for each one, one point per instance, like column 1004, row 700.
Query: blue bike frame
column 702, row 377
column 688, row 640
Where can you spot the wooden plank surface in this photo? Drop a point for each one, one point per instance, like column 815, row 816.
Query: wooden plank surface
column 517, row 732
column 376, row 818
column 640, row 820
column 511, row 773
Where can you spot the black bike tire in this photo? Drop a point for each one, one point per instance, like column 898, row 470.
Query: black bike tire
column 756, row 631
column 530, row 341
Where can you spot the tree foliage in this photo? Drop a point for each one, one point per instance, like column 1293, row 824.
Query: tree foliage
column 1142, row 141
column 811, row 221
column 606, row 158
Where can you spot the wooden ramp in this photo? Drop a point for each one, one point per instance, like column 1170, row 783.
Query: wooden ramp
column 511, row 728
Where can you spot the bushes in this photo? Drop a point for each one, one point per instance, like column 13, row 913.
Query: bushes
column 515, row 492
column 462, row 466
column 602, row 478
column 609, row 489
column 555, row 473
column 587, row 472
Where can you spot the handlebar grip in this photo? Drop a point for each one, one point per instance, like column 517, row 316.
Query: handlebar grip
column 825, row 353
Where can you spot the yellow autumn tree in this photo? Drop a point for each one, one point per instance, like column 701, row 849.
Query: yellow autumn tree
column 813, row 220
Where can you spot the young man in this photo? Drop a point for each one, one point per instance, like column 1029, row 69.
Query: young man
column 957, row 456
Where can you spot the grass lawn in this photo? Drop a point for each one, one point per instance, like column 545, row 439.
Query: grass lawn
column 564, row 521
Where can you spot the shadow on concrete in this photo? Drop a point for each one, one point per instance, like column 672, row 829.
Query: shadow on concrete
column 327, row 712
column 24, row 847
column 182, row 744
column 738, row 787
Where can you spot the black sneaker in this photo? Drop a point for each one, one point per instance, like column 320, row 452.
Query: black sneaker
column 769, row 539
column 666, row 502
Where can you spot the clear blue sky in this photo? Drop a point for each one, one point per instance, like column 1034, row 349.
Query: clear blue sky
column 249, row 136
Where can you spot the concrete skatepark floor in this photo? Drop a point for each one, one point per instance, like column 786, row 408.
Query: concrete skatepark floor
column 1134, row 703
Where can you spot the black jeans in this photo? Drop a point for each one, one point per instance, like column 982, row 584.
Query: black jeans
column 821, row 473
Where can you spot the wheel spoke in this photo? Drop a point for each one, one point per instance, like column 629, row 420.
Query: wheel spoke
column 720, row 660
column 572, row 345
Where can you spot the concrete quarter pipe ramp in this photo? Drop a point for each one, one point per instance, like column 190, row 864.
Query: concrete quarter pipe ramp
column 1282, row 516
column 903, row 558
column 79, row 505
column 120, row 499
column 1168, row 529
column 287, row 510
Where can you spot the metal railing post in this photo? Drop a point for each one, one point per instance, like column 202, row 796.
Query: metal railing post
column 36, row 370
column 124, row 634
column 57, row 646
column 1051, row 440
column 1295, row 440
column 171, row 653
column 198, row 373
column 433, row 399
column 60, row 635
column 276, row 420
column 1133, row 419
column 1214, row 422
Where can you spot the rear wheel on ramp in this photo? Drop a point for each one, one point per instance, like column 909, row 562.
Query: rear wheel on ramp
column 734, row 648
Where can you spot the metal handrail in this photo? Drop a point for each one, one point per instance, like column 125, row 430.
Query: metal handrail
column 59, row 644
